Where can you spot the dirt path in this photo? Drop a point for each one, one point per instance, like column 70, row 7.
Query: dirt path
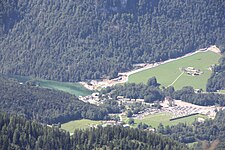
column 176, row 79
column 150, row 66
column 214, row 49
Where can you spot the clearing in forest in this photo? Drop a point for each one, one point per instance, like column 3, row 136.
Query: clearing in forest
column 79, row 124
column 171, row 73
column 155, row 119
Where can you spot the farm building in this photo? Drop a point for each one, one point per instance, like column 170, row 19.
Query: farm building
column 192, row 71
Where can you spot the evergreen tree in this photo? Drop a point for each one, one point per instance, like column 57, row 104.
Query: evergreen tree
column 152, row 82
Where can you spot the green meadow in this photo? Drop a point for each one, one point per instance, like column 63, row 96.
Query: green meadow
column 167, row 73
column 69, row 87
column 222, row 91
column 155, row 119
column 79, row 124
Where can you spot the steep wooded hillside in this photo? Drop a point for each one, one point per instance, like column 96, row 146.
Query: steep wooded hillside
column 217, row 79
column 45, row 105
column 75, row 40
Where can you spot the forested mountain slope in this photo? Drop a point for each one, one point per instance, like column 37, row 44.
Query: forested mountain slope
column 19, row 133
column 45, row 105
column 217, row 80
column 75, row 40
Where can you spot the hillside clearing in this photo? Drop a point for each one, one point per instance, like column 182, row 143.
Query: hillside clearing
column 169, row 72
column 155, row 119
column 79, row 124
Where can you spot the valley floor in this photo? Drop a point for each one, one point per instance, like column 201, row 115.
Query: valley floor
column 123, row 77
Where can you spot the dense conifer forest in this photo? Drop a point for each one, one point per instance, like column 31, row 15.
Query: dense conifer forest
column 87, row 39
column 45, row 105
column 217, row 79
column 19, row 133
column 188, row 94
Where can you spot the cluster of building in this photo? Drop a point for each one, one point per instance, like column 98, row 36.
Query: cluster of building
column 192, row 71
column 96, row 100
column 176, row 107
column 93, row 99
column 180, row 109
column 127, row 101
column 114, row 123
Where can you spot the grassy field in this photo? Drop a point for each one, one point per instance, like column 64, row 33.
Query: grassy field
column 69, row 87
column 222, row 91
column 78, row 124
column 169, row 72
column 155, row 119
